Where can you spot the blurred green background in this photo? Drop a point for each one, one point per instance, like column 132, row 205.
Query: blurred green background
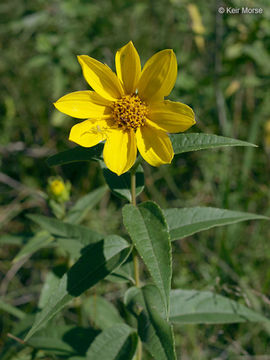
column 224, row 75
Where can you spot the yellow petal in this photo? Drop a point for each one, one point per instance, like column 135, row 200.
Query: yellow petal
column 89, row 133
column 154, row 145
column 101, row 78
column 171, row 116
column 158, row 76
column 120, row 151
column 83, row 105
column 128, row 67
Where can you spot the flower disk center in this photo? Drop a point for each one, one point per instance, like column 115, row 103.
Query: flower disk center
column 129, row 112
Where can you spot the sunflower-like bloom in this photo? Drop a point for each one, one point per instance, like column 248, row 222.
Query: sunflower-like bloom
column 127, row 109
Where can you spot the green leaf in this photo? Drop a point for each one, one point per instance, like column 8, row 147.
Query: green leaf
column 83, row 235
column 155, row 332
column 120, row 185
column 120, row 276
column 4, row 306
column 58, row 209
column 188, row 221
column 101, row 312
column 78, row 153
column 59, row 228
column 125, row 273
column 148, row 230
column 51, row 345
column 37, row 242
column 72, row 247
column 118, row 342
column 71, row 238
column 63, row 340
column 205, row 307
column 98, row 260
column 193, row 142
column 78, row 212
column 8, row 239
column 51, row 282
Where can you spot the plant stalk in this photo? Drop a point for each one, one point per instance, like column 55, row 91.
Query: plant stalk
column 135, row 256
column 136, row 263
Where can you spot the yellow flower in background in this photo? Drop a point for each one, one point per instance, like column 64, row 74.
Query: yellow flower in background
column 128, row 110
column 58, row 189
column 197, row 25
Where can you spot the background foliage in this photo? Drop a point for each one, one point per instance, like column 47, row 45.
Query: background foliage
column 224, row 68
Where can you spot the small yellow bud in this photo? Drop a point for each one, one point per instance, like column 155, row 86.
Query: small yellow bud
column 58, row 190
column 57, row 187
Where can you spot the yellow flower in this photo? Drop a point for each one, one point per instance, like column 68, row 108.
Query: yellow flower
column 128, row 110
column 57, row 187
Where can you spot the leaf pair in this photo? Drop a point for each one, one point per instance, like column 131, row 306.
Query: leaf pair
column 187, row 307
column 120, row 185
column 157, row 305
column 152, row 229
column 181, row 143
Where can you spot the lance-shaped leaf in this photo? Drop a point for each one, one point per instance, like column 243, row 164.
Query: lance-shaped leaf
column 155, row 332
column 98, row 260
column 193, row 142
column 14, row 239
column 51, row 345
column 63, row 340
column 51, row 282
column 197, row 141
column 78, row 153
column 148, row 230
column 117, row 342
column 81, row 208
column 71, row 238
column 205, row 307
column 188, row 221
column 101, row 312
column 120, row 185
column 59, row 228
column 37, row 242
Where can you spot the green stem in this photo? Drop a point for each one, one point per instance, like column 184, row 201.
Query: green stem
column 136, row 266
column 136, row 263
column 133, row 188
column 135, row 256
